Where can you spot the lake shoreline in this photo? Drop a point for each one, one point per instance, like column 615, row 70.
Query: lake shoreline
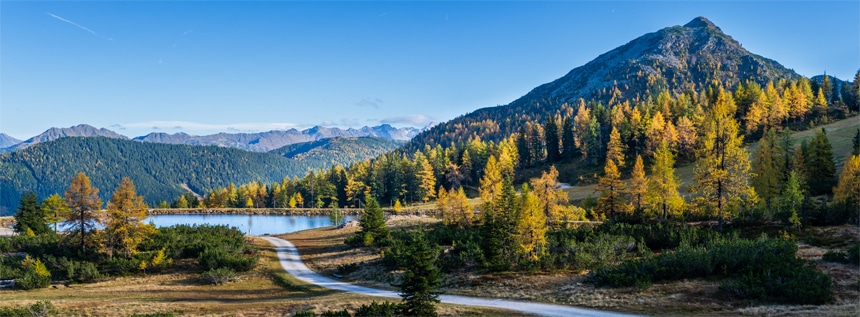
column 272, row 211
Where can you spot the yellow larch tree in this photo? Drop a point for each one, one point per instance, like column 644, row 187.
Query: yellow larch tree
column 662, row 194
column 551, row 198
column 638, row 182
column 85, row 209
column 124, row 226
column 531, row 227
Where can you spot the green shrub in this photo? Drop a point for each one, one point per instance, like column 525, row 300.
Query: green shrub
column 305, row 313
column 35, row 274
column 218, row 276
column 40, row 308
column 835, row 256
column 336, row 313
column 384, row 309
column 214, row 258
column 6, row 245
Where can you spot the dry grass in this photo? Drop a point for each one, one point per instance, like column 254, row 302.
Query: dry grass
column 254, row 294
column 323, row 250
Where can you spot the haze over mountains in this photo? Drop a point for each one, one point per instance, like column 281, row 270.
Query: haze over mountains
column 674, row 59
column 255, row 142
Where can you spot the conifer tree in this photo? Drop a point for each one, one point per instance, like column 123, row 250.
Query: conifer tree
column 615, row 149
column 662, row 194
column 421, row 278
column 491, row 183
column 85, row 205
column 686, row 137
column 29, row 216
column 567, row 140
column 55, row 209
column 611, row 201
column 820, row 167
column 531, row 227
column 372, row 222
column 523, row 148
column 767, row 165
column 847, row 190
column 722, row 167
column 552, row 140
column 550, row 197
column 638, row 182
column 125, row 214
column 791, row 199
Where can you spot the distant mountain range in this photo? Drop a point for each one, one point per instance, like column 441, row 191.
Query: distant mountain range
column 674, row 59
column 256, row 142
column 164, row 171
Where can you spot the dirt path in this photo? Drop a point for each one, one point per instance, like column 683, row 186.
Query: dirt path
column 292, row 263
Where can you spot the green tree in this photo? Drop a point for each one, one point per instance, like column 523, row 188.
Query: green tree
column 55, row 209
column 85, row 205
column 568, row 142
column 372, row 222
column 820, row 168
column 29, row 216
column 611, row 200
column 552, row 140
column 791, row 199
column 421, row 278
column 767, row 166
column 662, row 195
column 125, row 214
column 856, row 143
column 722, row 168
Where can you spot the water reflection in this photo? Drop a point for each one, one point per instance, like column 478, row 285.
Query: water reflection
column 249, row 224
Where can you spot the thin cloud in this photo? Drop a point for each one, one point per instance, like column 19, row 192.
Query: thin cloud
column 189, row 31
column 78, row 26
column 369, row 102
column 415, row 120
column 187, row 126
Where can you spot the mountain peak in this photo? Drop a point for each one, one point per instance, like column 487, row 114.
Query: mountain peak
column 701, row 22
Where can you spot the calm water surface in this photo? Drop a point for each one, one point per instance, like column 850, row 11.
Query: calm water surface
column 249, row 224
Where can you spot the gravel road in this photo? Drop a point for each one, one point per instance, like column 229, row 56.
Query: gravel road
column 292, row 263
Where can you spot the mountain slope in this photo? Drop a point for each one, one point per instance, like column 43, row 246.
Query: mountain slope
column 674, row 59
column 271, row 140
column 158, row 170
column 81, row 130
column 7, row 141
column 337, row 151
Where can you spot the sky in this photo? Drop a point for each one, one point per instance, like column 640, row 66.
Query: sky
column 204, row 67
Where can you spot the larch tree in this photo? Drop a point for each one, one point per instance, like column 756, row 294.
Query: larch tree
column 615, row 148
column 662, row 193
column 55, row 209
column 686, row 137
column 491, row 183
column 125, row 214
column 551, row 198
column 531, row 227
column 461, row 209
column 847, row 190
column 655, row 132
column 722, row 169
column 611, row 188
column 85, row 206
column 638, row 182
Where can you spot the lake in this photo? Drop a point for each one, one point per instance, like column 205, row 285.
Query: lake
column 254, row 225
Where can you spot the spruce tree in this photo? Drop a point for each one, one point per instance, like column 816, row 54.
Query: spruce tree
column 29, row 217
column 552, row 141
column 421, row 278
column 820, row 168
column 372, row 222
column 568, row 142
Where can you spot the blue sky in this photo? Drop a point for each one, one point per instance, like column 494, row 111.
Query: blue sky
column 205, row 67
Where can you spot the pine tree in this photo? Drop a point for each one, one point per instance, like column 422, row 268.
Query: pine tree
column 29, row 216
column 638, row 182
column 421, row 278
column 722, row 167
column 615, row 149
column 662, row 194
column 125, row 214
column 85, row 205
column 552, row 140
column 55, row 209
column 820, row 167
column 611, row 201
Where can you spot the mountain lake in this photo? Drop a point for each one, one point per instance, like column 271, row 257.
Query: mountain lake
column 253, row 225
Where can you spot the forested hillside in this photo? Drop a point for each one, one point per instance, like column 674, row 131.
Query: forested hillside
column 158, row 170
column 337, row 151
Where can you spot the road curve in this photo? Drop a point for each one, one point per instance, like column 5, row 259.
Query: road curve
column 292, row 263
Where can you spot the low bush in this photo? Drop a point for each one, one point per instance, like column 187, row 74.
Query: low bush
column 384, row 309
column 305, row 313
column 34, row 275
column 218, row 276
column 336, row 313
column 37, row 309
column 214, row 258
